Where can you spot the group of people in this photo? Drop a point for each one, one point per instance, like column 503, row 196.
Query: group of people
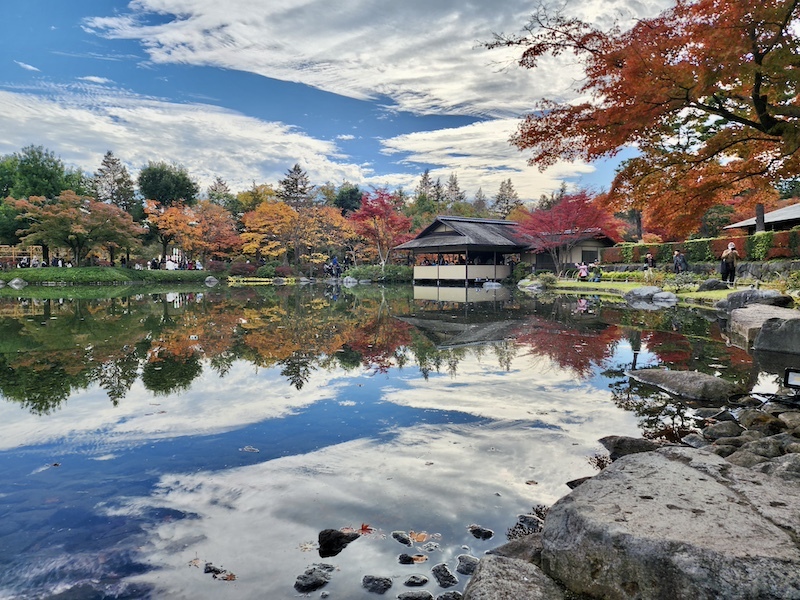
column 34, row 263
column 728, row 262
column 168, row 264
column 584, row 269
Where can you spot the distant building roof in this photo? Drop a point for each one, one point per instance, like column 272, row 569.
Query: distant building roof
column 785, row 214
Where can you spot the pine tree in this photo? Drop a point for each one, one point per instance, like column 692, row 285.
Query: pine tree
column 113, row 184
column 506, row 199
column 295, row 189
column 425, row 185
column 480, row 203
column 453, row 193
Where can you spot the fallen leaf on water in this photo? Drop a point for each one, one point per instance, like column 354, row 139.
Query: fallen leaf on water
column 195, row 562
column 418, row 536
column 366, row 529
column 419, row 558
column 531, row 482
column 225, row 577
column 249, row 449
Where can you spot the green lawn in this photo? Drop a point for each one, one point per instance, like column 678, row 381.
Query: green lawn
column 100, row 275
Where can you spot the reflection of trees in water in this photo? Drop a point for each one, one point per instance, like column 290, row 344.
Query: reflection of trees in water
column 170, row 373
column 298, row 330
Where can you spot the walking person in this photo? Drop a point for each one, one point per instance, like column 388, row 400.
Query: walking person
column 679, row 263
column 730, row 257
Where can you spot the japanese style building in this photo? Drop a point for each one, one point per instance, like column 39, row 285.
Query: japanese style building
column 464, row 250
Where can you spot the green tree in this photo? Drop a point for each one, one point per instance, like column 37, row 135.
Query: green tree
column 295, row 189
column 39, row 172
column 167, row 184
column 348, row 198
column 114, row 185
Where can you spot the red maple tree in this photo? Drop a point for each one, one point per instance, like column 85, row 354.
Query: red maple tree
column 571, row 220
column 380, row 221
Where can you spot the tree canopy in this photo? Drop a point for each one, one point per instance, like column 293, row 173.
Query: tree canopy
column 707, row 91
column 167, row 184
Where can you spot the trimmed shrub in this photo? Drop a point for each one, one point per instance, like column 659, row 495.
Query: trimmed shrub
column 216, row 266
column 243, row 268
column 266, row 271
column 284, row 271
column 757, row 246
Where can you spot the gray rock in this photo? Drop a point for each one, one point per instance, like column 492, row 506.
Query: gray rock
column 466, row 564
column 745, row 458
column 314, row 578
column 376, row 585
column 527, row 548
column 777, row 335
column 695, row 440
column 742, row 298
column 501, row 578
column 482, row 533
column 665, row 298
column 211, row 281
column 768, row 447
column 688, row 384
column 759, row 420
column 791, row 418
column 712, row 284
column 417, row 595
column 333, row 541
column 444, row 576
column 786, row 467
column 619, row 446
column 723, row 450
column 642, row 293
column 676, row 523
column 402, row 537
column 747, row 322
column 725, row 429
column 416, row 581
column 452, row 595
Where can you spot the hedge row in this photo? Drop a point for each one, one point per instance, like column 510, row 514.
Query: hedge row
column 760, row 246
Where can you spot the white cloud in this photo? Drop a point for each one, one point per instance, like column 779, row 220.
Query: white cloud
column 26, row 66
column 346, row 137
column 206, row 139
column 96, row 79
column 426, row 57
column 481, row 157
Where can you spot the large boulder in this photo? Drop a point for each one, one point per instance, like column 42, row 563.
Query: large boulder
column 747, row 322
column 742, row 298
column 712, row 284
column 778, row 335
column 687, row 384
column 501, row 578
column 676, row 523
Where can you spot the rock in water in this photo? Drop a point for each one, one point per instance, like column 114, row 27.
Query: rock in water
column 314, row 578
column 333, row 541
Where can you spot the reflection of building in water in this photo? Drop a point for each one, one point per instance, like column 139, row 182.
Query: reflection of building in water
column 459, row 294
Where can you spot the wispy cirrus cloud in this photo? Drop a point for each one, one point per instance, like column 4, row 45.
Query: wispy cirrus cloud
column 26, row 66
column 96, row 79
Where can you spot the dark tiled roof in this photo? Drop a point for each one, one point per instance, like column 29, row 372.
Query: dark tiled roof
column 485, row 233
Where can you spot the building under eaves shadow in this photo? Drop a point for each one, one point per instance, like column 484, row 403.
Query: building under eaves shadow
column 777, row 220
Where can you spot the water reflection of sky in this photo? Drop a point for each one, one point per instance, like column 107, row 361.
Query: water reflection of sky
column 145, row 488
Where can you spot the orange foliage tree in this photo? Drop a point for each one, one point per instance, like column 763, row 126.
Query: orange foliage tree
column 707, row 91
column 268, row 229
column 171, row 224
column 76, row 222
column 213, row 232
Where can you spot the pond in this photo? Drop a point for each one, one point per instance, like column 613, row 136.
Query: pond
column 145, row 435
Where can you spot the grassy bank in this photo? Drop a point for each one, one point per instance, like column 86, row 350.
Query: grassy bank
column 100, row 276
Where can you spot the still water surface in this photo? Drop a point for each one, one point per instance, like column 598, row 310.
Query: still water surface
column 145, row 435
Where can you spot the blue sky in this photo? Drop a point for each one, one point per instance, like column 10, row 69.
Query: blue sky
column 353, row 90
